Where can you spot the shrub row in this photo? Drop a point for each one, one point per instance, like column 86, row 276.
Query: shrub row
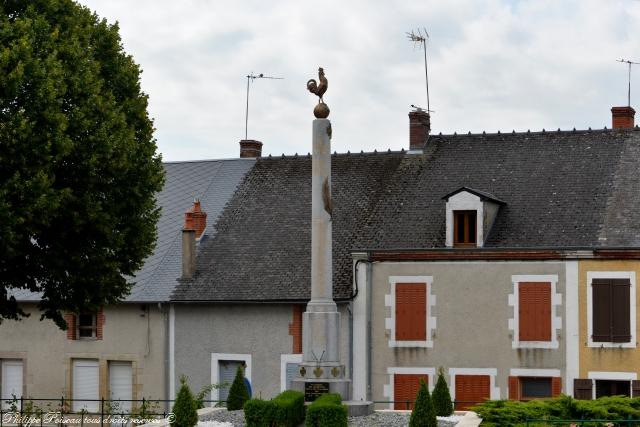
column 327, row 411
column 285, row 410
column 514, row 413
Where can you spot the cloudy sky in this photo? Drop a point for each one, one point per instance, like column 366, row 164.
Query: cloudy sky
column 493, row 65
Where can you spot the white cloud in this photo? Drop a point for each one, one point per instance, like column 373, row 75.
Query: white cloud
column 492, row 65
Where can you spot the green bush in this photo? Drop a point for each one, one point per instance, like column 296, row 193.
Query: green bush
column 327, row 411
column 441, row 397
column 238, row 393
column 285, row 410
column 423, row 414
column 184, row 408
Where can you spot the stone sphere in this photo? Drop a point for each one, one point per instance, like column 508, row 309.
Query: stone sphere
column 321, row 111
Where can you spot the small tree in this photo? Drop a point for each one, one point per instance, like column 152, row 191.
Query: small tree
column 184, row 408
column 441, row 397
column 423, row 414
column 238, row 393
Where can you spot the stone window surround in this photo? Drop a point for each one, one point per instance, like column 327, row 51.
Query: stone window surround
column 387, row 389
column 390, row 301
column 284, row 360
column 610, row 376
column 215, row 374
column 514, row 301
column 631, row 275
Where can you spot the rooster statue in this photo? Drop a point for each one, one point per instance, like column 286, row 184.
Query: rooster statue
column 318, row 89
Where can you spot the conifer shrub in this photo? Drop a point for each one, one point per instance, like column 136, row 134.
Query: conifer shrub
column 327, row 411
column 238, row 393
column 441, row 398
column 423, row 414
column 184, row 408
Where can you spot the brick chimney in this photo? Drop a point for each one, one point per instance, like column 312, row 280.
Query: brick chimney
column 250, row 148
column 195, row 221
column 622, row 117
column 419, row 128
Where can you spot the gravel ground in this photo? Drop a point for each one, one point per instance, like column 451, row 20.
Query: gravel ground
column 377, row 419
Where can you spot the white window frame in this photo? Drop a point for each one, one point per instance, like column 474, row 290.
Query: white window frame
column 464, row 201
column 494, row 392
column 390, row 301
column 631, row 275
column 216, row 358
column 388, row 389
column 4, row 405
column 94, row 326
column 556, row 302
column 284, row 360
column 610, row 376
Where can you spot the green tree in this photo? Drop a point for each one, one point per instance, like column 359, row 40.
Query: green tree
column 185, row 408
column 423, row 414
column 441, row 397
column 238, row 393
column 79, row 163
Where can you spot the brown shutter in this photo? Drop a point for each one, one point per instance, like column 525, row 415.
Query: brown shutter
column 405, row 389
column 583, row 389
column 635, row 388
column 556, row 386
column 411, row 311
column 601, row 295
column 620, row 313
column 471, row 390
column 99, row 324
column 534, row 302
column 514, row 388
column 71, row 326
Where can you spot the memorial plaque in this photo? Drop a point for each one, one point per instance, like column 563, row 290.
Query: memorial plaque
column 313, row 390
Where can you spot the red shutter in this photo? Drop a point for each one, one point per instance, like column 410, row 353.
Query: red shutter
column 405, row 389
column 411, row 311
column 556, row 386
column 471, row 390
column 99, row 323
column 71, row 325
column 601, row 295
column 295, row 328
column 514, row 388
column 534, row 304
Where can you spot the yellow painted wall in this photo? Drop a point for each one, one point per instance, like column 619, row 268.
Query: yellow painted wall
column 606, row 359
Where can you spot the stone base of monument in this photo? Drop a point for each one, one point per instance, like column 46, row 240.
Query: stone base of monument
column 313, row 388
column 358, row 408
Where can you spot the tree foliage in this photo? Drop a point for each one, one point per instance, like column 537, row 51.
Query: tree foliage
column 441, row 397
column 423, row 414
column 238, row 393
column 78, row 160
column 185, row 407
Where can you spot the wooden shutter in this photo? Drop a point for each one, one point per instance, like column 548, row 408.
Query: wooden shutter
column 635, row 388
column 471, row 390
column 411, row 311
column 100, row 323
column 583, row 389
column 556, row 386
column 405, row 389
column 11, row 382
column 514, row 388
column 601, row 296
column 620, row 311
column 534, row 317
column 121, row 385
column 85, row 385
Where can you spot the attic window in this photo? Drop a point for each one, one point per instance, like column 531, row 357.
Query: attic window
column 87, row 325
column 464, row 228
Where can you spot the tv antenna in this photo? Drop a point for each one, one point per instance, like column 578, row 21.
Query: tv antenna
column 630, row 63
column 250, row 78
column 419, row 38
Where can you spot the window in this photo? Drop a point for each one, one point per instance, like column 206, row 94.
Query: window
column 534, row 311
column 85, row 385
column 535, row 388
column 471, row 390
column 11, row 386
column 223, row 370
column 464, row 228
column 606, row 383
column 87, row 325
column 288, row 369
column 411, row 302
column 121, row 386
column 613, row 388
column 405, row 389
column 534, row 384
column 611, row 310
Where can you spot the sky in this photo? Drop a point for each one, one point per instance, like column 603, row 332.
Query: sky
column 493, row 65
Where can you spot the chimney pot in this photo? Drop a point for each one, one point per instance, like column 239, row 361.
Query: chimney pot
column 419, row 128
column 250, row 148
column 622, row 117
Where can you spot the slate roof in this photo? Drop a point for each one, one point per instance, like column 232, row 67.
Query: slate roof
column 213, row 182
column 262, row 247
column 561, row 189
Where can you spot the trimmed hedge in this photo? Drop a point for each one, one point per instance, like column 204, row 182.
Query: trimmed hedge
column 327, row 411
column 285, row 410
column 514, row 413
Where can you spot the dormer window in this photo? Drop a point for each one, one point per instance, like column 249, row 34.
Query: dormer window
column 464, row 228
column 469, row 217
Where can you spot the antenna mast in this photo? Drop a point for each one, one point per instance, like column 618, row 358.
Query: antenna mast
column 250, row 78
column 629, row 89
column 418, row 37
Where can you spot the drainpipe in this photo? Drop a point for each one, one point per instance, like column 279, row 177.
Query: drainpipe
column 369, row 344
column 350, row 310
